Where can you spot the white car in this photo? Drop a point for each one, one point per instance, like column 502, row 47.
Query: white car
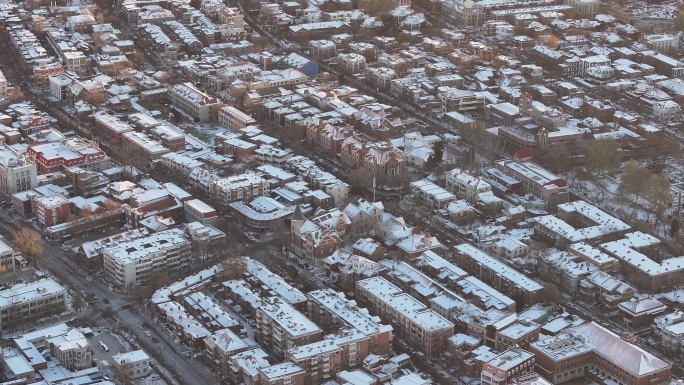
column 147, row 333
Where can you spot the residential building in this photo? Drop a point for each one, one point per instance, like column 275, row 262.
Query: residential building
column 17, row 172
column 3, row 86
column 365, row 216
column 351, row 63
column 578, row 221
column 67, row 344
column 670, row 329
column 462, row 101
column 593, row 351
column 234, row 119
column 194, row 102
column 640, row 262
column 465, row 185
column 509, row 281
column 136, row 261
column 73, row 151
column 23, row 304
column 638, row 314
column 333, row 311
column 197, row 211
column 111, row 128
column 536, row 180
column 135, row 364
column 239, row 187
column 283, row 373
column 502, row 368
column 180, row 164
column 223, row 344
column 322, row 360
column 280, row 327
column 316, row 238
column 431, row 195
column 422, row 328
column 664, row 43
column 143, row 147
column 604, row 293
column 51, row 210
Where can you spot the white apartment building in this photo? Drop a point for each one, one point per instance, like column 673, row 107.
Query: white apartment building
column 66, row 343
column 351, row 63
column 26, row 303
column 179, row 163
column 234, row 119
column 59, row 86
column 3, row 86
column 422, row 327
column 146, row 146
column 75, row 61
column 239, row 187
column 198, row 104
column 134, row 262
column 136, row 363
column 17, row 172
column 6, row 257
column 466, row 186
column 660, row 42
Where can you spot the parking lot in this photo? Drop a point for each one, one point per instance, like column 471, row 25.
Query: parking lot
column 112, row 343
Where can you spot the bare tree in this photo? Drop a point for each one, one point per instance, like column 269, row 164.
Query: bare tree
column 232, row 267
column 86, row 212
column 111, row 205
column 375, row 7
column 634, row 179
column 603, row 156
column 551, row 293
column 27, row 242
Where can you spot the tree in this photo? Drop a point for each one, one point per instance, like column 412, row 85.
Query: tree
column 76, row 301
column 603, row 156
column 360, row 178
column 27, row 242
column 674, row 226
column 436, row 158
column 551, row 293
column 86, row 212
column 94, row 98
column 658, row 195
column 552, row 42
column 376, row 7
column 111, row 205
column 634, row 179
column 232, row 267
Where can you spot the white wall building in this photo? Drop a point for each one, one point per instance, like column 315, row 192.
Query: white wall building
column 17, row 172
column 26, row 303
column 136, row 363
column 134, row 262
column 199, row 105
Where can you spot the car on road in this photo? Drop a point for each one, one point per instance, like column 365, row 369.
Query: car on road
column 142, row 326
column 147, row 333
column 155, row 340
column 106, row 301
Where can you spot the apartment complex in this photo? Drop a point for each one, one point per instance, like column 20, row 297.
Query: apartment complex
column 135, row 363
column 281, row 327
column 333, row 311
column 240, row 187
column 422, row 327
column 234, row 119
column 198, row 104
column 504, row 278
column 24, row 304
column 536, row 180
column 578, row 221
column 17, row 172
column 135, row 261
